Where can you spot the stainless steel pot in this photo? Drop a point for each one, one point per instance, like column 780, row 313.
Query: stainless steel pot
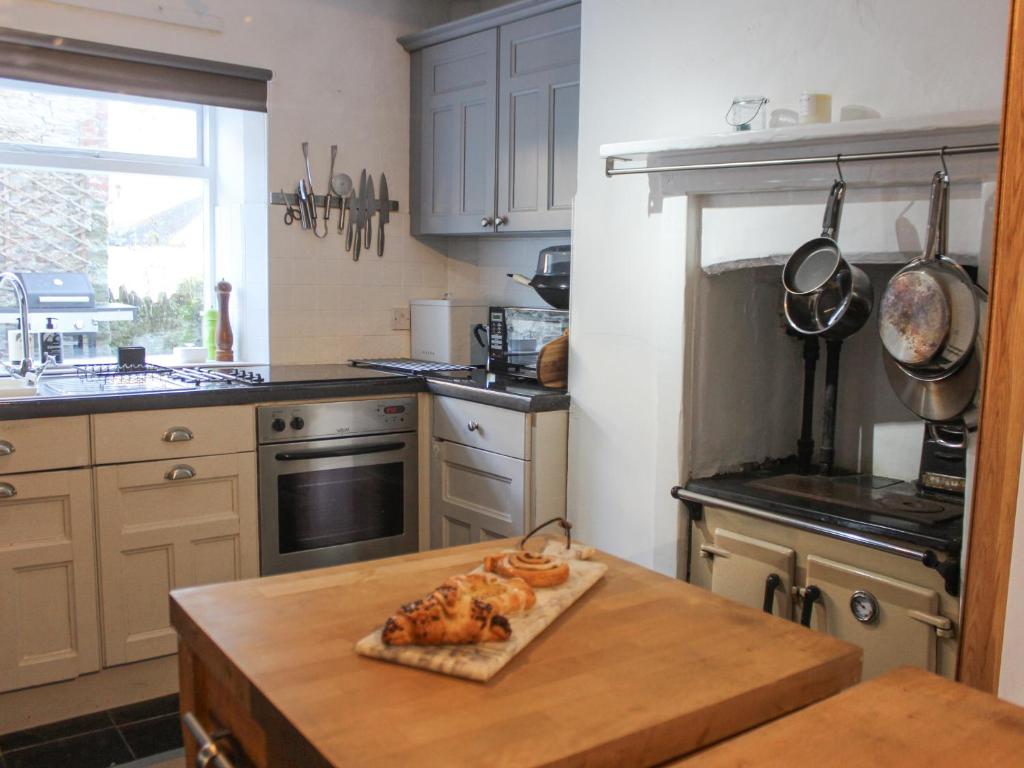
column 826, row 296
column 929, row 316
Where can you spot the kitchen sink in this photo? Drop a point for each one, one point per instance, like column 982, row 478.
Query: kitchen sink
column 12, row 388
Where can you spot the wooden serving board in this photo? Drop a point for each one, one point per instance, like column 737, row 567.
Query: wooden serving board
column 482, row 661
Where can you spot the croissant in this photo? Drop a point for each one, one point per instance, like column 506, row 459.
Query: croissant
column 449, row 615
column 504, row 595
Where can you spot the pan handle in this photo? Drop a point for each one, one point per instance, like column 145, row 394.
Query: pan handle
column 935, row 433
column 833, row 210
column 938, row 217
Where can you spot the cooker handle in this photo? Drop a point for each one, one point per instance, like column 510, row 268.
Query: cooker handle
column 333, row 453
column 771, row 586
column 811, row 595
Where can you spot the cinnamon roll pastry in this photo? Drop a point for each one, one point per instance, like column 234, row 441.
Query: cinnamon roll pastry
column 537, row 570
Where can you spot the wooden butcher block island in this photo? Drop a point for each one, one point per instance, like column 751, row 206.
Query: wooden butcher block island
column 641, row 669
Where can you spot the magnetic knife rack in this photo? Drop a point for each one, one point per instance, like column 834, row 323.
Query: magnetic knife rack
column 290, row 198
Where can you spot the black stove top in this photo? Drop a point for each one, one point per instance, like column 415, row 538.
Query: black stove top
column 305, row 374
column 878, row 505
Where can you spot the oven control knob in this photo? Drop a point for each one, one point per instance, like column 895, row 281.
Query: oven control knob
column 298, row 422
column 278, row 425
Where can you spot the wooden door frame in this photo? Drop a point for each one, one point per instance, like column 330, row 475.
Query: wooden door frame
column 1001, row 432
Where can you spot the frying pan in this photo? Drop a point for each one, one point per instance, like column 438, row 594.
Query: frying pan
column 929, row 316
column 825, row 296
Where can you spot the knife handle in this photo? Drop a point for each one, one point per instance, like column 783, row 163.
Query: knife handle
column 368, row 236
column 380, row 238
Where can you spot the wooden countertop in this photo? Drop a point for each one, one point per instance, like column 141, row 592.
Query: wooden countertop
column 907, row 717
column 642, row 669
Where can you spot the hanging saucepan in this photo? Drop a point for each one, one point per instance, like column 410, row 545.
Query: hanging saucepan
column 929, row 315
column 825, row 296
column 943, row 398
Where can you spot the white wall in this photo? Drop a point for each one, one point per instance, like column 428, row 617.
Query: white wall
column 653, row 68
column 339, row 77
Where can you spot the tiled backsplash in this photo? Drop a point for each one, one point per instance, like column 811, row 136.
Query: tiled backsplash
column 479, row 267
column 325, row 307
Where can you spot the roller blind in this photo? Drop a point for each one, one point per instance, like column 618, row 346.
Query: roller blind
column 95, row 66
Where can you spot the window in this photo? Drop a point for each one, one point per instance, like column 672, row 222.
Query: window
column 119, row 189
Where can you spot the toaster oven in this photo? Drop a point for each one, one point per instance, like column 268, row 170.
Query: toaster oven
column 516, row 335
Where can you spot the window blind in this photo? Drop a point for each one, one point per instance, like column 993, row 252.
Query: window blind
column 96, row 66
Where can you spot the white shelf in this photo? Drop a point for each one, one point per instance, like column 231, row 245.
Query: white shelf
column 849, row 137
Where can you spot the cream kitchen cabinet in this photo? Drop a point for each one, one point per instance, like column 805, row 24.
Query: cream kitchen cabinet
column 48, row 607
column 893, row 607
column 495, row 119
column 493, row 472
column 48, row 612
column 163, row 524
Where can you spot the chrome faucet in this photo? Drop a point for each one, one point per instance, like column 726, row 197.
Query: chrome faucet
column 15, row 282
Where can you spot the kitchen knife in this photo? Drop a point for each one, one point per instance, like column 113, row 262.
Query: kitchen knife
column 370, row 202
column 383, row 214
column 354, row 218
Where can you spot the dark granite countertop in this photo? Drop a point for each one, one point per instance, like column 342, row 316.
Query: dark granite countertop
column 499, row 391
column 870, row 505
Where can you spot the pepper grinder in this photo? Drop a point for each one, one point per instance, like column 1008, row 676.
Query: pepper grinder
column 225, row 338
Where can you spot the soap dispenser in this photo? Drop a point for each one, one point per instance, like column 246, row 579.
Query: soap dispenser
column 52, row 342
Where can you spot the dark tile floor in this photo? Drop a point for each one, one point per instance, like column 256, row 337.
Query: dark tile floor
column 104, row 739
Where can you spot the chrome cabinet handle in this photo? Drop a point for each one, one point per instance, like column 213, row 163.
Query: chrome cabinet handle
column 472, row 426
column 177, row 435
column 7, row 491
column 486, row 222
column 207, row 752
column 501, row 221
column 180, row 472
column 6, row 449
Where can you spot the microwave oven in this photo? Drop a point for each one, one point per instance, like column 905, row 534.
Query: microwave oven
column 516, row 335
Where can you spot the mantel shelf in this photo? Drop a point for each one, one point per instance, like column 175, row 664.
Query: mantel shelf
column 881, row 135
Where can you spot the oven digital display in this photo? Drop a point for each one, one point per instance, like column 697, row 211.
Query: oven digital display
column 390, row 410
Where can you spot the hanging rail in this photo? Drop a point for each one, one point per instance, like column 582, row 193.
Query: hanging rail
column 898, row 154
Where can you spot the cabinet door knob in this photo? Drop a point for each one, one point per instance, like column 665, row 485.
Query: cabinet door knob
column 472, row 426
column 486, row 222
column 501, row 221
column 180, row 472
column 177, row 435
column 7, row 491
column 6, row 449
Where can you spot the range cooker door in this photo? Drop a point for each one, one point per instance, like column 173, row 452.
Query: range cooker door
column 752, row 571
column 895, row 622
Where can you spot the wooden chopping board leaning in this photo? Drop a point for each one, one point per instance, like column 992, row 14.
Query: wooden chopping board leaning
column 553, row 362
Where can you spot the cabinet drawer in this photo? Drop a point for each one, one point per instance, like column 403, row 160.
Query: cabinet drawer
column 144, row 435
column 33, row 444
column 482, row 426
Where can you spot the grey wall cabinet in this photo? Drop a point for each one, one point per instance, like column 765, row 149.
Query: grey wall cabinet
column 495, row 118
column 455, row 152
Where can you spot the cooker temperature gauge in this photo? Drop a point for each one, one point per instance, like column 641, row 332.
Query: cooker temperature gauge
column 864, row 607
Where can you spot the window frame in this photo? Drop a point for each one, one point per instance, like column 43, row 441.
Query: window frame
column 201, row 166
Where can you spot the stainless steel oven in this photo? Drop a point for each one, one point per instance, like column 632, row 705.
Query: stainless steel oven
column 338, row 482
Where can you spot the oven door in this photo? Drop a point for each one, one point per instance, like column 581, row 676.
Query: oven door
column 327, row 502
